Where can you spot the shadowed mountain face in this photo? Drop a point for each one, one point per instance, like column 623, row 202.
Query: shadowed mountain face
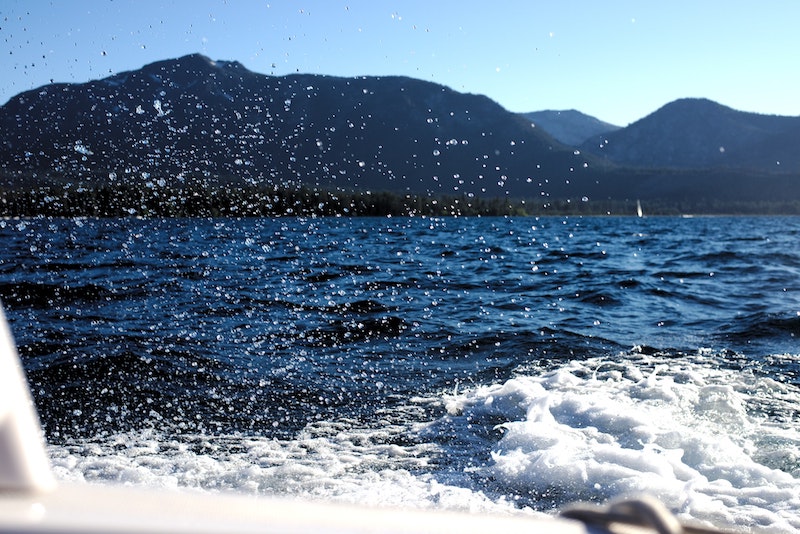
column 699, row 133
column 192, row 119
column 570, row 127
column 196, row 122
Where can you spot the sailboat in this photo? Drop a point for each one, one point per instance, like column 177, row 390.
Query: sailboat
column 639, row 211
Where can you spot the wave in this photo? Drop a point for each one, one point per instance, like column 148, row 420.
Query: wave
column 769, row 339
column 762, row 325
column 331, row 461
column 44, row 295
column 693, row 433
column 686, row 431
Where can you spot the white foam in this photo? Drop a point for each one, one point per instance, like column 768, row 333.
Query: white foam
column 328, row 461
column 695, row 436
column 715, row 445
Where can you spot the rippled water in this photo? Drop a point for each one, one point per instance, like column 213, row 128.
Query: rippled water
column 483, row 364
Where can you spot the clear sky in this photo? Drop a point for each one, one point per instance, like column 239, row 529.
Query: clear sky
column 615, row 60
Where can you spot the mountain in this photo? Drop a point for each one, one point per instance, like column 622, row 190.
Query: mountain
column 570, row 127
column 700, row 133
column 193, row 130
column 191, row 120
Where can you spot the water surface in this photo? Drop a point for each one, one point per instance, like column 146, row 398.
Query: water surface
column 488, row 364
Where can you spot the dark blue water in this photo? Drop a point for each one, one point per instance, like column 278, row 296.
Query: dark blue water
column 342, row 315
column 262, row 328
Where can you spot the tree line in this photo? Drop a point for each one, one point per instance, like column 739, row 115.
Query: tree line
column 277, row 201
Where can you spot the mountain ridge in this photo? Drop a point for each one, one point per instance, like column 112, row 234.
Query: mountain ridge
column 700, row 133
column 192, row 118
column 191, row 121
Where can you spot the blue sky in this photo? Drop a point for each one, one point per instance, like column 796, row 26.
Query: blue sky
column 616, row 60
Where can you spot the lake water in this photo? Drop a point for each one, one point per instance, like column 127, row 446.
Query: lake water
column 483, row 364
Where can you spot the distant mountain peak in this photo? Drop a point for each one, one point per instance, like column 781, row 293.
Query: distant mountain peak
column 569, row 126
column 191, row 62
column 701, row 133
column 689, row 107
